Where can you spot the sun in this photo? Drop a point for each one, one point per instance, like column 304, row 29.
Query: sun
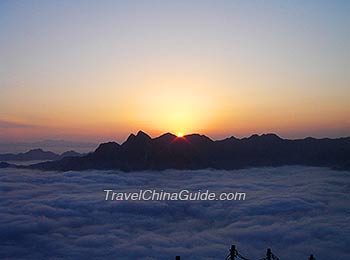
column 180, row 135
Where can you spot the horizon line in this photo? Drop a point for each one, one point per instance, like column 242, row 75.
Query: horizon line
column 62, row 139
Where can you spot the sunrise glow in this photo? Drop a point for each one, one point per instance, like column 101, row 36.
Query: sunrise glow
column 180, row 135
column 212, row 75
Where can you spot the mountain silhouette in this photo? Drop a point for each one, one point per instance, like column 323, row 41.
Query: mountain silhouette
column 37, row 154
column 194, row 151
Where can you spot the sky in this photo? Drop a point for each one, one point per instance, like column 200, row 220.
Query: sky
column 99, row 70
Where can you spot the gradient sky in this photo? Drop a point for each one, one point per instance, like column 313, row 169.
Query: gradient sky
column 98, row 70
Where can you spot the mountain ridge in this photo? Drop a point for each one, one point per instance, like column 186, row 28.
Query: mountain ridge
column 195, row 151
column 37, row 154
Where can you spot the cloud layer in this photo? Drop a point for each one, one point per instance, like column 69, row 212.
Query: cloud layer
column 63, row 216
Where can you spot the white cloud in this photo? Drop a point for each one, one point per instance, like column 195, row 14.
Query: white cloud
column 294, row 210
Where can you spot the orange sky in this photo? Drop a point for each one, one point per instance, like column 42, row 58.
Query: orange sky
column 98, row 72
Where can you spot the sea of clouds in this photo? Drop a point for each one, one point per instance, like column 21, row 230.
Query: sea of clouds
column 63, row 215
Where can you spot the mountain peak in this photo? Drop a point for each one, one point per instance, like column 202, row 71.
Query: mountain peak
column 141, row 134
column 130, row 137
column 140, row 138
column 107, row 147
column 269, row 136
column 166, row 138
column 253, row 136
column 36, row 150
column 198, row 137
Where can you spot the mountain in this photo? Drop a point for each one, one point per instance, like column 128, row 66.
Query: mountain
column 37, row 154
column 70, row 154
column 141, row 152
column 56, row 146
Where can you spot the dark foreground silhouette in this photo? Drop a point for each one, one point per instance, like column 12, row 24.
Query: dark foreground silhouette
column 141, row 152
column 235, row 254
